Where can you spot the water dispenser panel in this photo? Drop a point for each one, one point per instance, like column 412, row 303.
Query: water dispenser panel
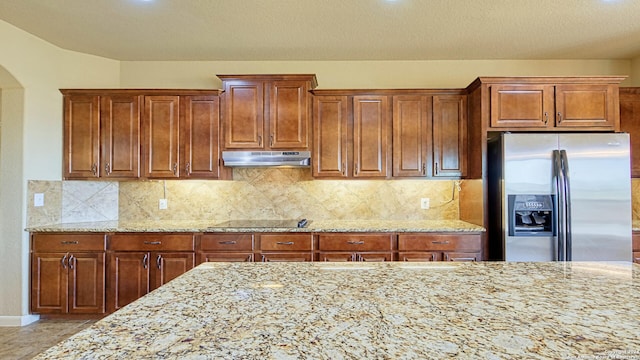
column 531, row 215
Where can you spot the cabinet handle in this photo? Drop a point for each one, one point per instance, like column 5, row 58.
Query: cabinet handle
column 344, row 169
column 107, row 169
column 63, row 261
column 175, row 168
column 356, row 257
column 285, row 243
column 145, row 261
column 264, row 258
column 436, row 166
column 271, row 140
column 352, row 242
column 94, row 169
column 546, row 117
column 559, row 117
column 424, row 168
column 153, row 242
column 70, row 261
column 187, row 167
column 259, row 140
column 433, row 257
column 357, row 169
column 231, row 242
column 69, row 242
column 440, row 242
column 159, row 261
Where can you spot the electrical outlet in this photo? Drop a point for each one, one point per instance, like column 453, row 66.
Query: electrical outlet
column 424, row 203
column 38, row 199
column 162, row 204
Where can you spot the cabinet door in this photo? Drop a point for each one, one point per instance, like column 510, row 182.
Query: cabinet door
column 517, row 106
column 170, row 265
column 288, row 115
column 243, row 119
column 161, row 136
column 81, row 137
column 371, row 127
column 586, row 106
column 49, row 282
column 461, row 256
column 337, row 256
column 86, row 283
column 286, row 257
column 120, row 128
column 200, row 141
column 420, row 256
column 630, row 123
column 226, row 257
column 330, row 143
column 128, row 278
column 449, row 135
column 411, row 135
column 374, row 257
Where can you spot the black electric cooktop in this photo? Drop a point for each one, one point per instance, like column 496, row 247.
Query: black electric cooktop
column 264, row 223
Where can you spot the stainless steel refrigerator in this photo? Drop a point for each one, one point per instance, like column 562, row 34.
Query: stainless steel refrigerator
column 559, row 197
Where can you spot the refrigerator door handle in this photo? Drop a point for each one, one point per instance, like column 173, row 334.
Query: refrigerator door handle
column 559, row 205
column 567, row 198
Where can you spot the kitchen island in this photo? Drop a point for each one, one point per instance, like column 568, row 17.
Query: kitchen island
column 484, row 310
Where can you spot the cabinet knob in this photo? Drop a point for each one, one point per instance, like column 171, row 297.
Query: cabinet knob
column 107, row 169
column 94, row 169
column 187, row 168
column 546, row 117
column 175, row 169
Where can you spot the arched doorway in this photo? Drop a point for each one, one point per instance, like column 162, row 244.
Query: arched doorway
column 14, row 248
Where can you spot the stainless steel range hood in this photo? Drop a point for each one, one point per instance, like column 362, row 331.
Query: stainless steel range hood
column 266, row 158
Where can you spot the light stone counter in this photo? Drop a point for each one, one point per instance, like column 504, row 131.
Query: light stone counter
column 314, row 226
column 376, row 311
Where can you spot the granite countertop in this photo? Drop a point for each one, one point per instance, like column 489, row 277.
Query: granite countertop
column 314, row 226
column 489, row 310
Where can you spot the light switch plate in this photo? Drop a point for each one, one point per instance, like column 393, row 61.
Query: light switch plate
column 38, row 199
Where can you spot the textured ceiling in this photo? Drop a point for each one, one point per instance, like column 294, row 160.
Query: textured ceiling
column 334, row 29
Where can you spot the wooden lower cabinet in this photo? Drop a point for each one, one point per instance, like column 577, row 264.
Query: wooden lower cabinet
column 68, row 274
column 139, row 263
column 356, row 247
column 439, row 247
column 282, row 247
column 233, row 247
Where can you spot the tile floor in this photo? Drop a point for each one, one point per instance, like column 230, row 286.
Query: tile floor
column 28, row 341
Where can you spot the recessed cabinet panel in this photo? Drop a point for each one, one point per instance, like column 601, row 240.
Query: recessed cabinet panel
column 161, row 137
column 200, row 140
column 120, row 124
column 522, row 105
column 288, row 115
column 330, row 146
column 449, row 135
column 411, row 135
column 244, row 118
column 585, row 105
column 81, row 137
column 370, row 136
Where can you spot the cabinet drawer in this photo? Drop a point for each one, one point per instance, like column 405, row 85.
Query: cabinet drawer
column 285, row 242
column 355, row 242
column 151, row 242
column 67, row 242
column 226, row 242
column 418, row 242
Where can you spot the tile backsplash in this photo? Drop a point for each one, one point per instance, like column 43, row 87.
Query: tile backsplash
column 268, row 193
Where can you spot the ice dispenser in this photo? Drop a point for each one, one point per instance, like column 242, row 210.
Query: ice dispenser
column 531, row 215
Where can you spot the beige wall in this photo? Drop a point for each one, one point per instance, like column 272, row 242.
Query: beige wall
column 31, row 72
column 361, row 74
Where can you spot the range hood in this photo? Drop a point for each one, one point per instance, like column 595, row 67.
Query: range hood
column 266, row 158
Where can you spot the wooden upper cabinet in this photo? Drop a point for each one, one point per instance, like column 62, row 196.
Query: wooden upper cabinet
column 522, row 106
column 120, row 128
column 200, row 138
column 330, row 136
column 101, row 136
column 587, row 105
column 411, row 135
column 161, row 127
column 371, row 130
column 553, row 103
column 266, row 112
column 630, row 123
column 449, row 135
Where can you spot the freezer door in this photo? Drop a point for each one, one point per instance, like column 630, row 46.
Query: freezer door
column 527, row 170
column 600, row 190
